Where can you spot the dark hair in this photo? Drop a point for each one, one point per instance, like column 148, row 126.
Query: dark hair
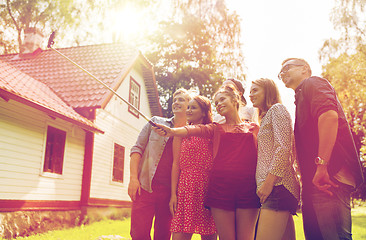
column 239, row 86
column 232, row 92
column 205, row 106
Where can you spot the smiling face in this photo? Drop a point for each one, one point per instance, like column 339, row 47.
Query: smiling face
column 194, row 113
column 257, row 96
column 180, row 103
column 225, row 104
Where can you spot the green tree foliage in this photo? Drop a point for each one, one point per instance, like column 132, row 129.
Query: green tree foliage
column 347, row 73
column 77, row 22
column 345, row 68
column 18, row 15
column 182, row 57
column 196, row 48
column 348, row 17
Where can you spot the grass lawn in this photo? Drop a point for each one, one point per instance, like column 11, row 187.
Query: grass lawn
column 122, row 228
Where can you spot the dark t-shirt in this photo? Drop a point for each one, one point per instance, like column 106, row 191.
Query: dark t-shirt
column 163, row 172
column 237, row 156
column 313, row 97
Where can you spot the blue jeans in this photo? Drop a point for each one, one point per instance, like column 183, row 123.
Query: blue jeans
column 327, row 217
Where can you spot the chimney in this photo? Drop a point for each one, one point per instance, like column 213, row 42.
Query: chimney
column 32, row 40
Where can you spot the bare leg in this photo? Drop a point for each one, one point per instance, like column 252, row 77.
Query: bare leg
column 245, row 223
column 273, row 224
column 290, row 230
column 181, row 236
column 225, row 223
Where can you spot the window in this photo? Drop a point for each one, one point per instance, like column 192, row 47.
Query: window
column 55, row 148
column 118, row 163
column 134, row 97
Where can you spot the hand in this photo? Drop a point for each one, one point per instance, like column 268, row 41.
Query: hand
column 322, row 181
column 163, row 130
column 173, row 204
column 264, row 191
column 134, row 188
column 254, row 128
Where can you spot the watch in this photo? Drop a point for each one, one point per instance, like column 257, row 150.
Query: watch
column 320, row 161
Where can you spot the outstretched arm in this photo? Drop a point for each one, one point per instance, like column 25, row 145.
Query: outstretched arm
column 166, row 131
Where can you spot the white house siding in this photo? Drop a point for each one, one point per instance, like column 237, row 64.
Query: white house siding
column 121, row 127
column 22, row 140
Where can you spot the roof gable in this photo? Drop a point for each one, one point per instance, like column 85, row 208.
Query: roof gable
column 17, row 85
column 108, row 62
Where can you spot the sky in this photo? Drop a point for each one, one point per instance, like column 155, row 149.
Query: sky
column 275, row 30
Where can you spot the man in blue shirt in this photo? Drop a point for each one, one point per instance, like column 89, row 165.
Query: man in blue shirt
column 329, row 162
column 150, row 174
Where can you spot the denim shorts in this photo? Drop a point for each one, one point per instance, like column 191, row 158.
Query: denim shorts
column 281, row 199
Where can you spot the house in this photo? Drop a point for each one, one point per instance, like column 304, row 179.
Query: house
column 98, row 127
column 42, row 147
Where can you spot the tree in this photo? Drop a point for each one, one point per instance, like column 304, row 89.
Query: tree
column 347, row 73
column 223, row 28
column 18, row 15
column 196, row 48
column 183, row 58
column 348, row 17
column 77, row 22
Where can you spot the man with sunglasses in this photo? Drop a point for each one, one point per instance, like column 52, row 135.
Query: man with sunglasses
column 329, row 162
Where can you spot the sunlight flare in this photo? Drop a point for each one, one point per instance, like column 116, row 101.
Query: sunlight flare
column 125, row 24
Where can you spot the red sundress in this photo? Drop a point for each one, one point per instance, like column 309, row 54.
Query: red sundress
column 195, row 163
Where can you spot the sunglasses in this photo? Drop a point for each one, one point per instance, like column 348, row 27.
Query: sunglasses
column 286, row 68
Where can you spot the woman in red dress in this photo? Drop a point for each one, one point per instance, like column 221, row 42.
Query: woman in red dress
column 189, row 214
column 231, row 193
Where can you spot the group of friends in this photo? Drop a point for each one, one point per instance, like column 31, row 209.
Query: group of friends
column 238, row 175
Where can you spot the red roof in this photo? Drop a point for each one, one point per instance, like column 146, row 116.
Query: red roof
column 20, row 87
column 108, row 62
